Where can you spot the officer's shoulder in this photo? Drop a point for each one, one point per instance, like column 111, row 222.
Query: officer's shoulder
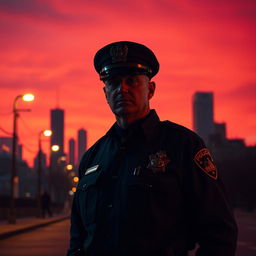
column 95, row 146
column 89, row 154
column 181, row 138
column 179, row 132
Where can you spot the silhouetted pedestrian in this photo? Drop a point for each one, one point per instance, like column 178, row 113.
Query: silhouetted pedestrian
column 46, row 204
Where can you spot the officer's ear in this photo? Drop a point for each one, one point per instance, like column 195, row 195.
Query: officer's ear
column 151, row 89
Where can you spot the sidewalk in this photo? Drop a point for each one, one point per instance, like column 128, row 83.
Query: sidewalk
column 244, row 214
column 26, row 224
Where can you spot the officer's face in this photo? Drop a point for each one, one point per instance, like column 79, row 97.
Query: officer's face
column 129, row 95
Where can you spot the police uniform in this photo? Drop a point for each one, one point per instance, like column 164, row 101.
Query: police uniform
column 150, row 190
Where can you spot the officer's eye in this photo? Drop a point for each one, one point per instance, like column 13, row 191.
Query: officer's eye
column 113, row 83
column 131, row 80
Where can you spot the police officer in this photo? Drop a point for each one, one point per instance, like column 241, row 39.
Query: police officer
column 146, row 188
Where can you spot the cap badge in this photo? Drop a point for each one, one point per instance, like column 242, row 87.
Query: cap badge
column 119, row 53
column 204, row 160
column 158, row 162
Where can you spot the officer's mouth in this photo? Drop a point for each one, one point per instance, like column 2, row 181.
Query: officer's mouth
column 122, row 101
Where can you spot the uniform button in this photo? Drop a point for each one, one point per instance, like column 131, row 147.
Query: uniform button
column 84, row 186
column 110, row 205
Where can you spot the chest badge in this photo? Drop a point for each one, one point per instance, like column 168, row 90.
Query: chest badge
column 158, row 162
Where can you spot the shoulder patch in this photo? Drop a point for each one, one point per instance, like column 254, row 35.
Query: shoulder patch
column 204, row 161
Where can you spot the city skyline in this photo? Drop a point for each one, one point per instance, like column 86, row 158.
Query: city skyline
column 81, row 143
column 47, row 48
column 57, row 114
column 203, row 114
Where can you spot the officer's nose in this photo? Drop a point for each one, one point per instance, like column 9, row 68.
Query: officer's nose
column 123, row 87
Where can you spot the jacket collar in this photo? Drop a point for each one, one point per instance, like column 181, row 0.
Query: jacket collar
column 145, row 126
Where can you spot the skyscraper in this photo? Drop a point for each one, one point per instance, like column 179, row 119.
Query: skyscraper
column 71, row 154
column 6, row 147
column 203, row 122
column 57, row 138
column 220, row 130
column 57, row 127
column 57, row 177
column 82, row 143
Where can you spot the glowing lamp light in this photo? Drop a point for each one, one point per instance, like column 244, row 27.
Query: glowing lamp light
column 55, row 148
column 16, row 179
column 74, row 189
column 47, row 133
column 72, row 174
column 62, row 158
column 28, row 97
column 6, row 148
column 27, row 194
column 69, row 167
column 75, row 179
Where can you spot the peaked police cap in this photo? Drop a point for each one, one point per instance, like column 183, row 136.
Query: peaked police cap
column 123, row 58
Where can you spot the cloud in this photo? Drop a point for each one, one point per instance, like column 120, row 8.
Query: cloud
column 223, row 9
column 32, row 8
column 240, row 102
column 40, row 11
column 247, row 91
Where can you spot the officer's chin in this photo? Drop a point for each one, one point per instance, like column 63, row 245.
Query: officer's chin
column 121, row 110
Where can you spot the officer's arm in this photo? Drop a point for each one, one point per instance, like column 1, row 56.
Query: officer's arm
column 215, row 229
column 77, row 232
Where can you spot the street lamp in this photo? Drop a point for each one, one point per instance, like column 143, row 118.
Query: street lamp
column 46, row 133
column 75, row 179
column 28, row 97
column 54, row 148
column 14, row 178
column 69, row 167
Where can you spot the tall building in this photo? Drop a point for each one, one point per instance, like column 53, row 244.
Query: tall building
column 6, row 147
column 44, row 170
column 71, row 158
column 203, row 120
column 57, row 176
column 82, row 143
column 43, row 161
column 57, row 127
column 25, row 184
column 57, row 138
column 220, row 130
column 218, row 138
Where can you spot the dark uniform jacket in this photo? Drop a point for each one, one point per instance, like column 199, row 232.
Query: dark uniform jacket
column 150, row 190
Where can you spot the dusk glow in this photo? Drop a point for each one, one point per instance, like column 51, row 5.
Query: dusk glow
column 47, row 48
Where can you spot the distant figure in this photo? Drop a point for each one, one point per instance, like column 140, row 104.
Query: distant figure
column 45, row 204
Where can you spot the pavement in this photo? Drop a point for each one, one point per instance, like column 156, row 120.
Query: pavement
column 242, row 214
column 26, row 224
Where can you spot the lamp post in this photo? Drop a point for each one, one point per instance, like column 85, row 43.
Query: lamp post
column 14, row 178
column 54, row 148
column 46, row 133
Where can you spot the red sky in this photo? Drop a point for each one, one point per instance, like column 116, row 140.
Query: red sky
column 48, row 46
